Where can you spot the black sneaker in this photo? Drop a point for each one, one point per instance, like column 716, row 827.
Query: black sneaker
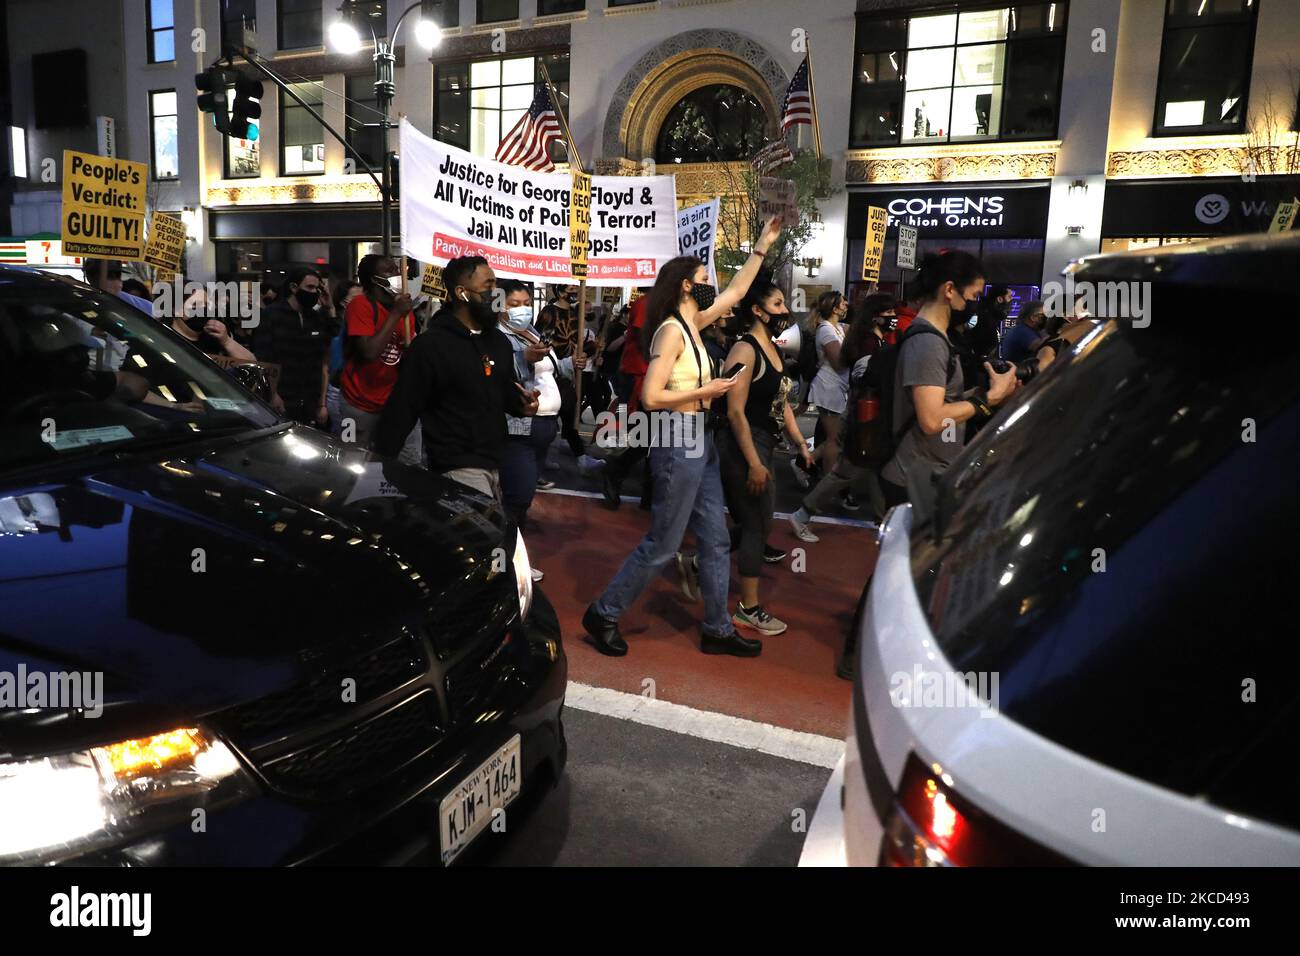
column 849, row 502
column 773, row 555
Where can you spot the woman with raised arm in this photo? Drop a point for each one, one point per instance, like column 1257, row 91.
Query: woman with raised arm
column 678, row 390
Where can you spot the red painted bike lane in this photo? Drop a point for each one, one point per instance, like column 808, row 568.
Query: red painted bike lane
column 580, row 544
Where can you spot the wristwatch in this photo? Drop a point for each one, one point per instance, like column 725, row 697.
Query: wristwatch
column 980, row 399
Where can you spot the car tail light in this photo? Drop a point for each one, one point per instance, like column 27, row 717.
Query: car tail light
column 931, row 825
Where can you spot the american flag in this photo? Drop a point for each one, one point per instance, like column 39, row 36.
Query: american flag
column 797, row 107
column 528, row 141
column 771, row 156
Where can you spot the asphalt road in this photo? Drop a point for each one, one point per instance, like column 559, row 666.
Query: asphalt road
column 634, row 795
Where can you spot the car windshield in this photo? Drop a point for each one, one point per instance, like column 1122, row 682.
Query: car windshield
column 84, row 373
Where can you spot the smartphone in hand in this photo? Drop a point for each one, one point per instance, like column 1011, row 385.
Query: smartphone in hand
column 734, row 370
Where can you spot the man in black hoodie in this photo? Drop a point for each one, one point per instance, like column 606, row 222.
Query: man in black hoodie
column 458, row 380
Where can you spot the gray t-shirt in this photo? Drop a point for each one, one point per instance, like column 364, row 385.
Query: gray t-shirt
column 924, row 360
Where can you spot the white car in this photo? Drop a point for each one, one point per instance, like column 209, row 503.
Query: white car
column 1088, row 656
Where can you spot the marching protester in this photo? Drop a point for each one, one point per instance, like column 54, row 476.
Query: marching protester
column 679, row 383
column 458, row 383
column 632, row 368
column 829, row 391
column 854, row 472
column 758, row 411
column 295, row 333
column 930, row 397
column 558, row 325
column 344, row 292
column 379, row 328
column 536, row 367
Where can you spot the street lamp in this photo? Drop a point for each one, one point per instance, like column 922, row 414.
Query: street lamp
column 345, row 39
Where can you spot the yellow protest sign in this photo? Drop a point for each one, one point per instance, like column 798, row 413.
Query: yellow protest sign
column 166, row 245
column 1285, row 216
column 874, row 251
column 579, row 223
column 103, row 206
column 431, row 282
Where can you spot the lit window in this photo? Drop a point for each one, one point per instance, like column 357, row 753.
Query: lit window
column 1205, row 61
column 162, row 124
column 161, row 25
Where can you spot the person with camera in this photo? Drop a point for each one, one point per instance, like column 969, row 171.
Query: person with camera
column 930, row 398
column 295, row 334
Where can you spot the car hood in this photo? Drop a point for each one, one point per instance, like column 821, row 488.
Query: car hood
column 215, row 574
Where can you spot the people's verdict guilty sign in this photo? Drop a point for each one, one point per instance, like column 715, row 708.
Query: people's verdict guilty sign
column 455, row 203
column 103, row 206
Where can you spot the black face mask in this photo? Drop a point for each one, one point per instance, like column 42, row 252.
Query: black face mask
column 308, row 299
column 196, row 322
column 777, row 322
column 703, row 294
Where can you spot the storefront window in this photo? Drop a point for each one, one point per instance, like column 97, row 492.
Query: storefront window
column 478, row 102
column 1205, row 62
column 958, row 76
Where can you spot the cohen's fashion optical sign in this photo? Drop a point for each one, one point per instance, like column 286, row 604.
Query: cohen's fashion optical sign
column 953, row 211
column 989, row 212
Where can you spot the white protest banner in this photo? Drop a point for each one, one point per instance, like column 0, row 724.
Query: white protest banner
column 455, row 203
column 697, row 228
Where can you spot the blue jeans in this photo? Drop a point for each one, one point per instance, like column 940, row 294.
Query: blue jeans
column 688, row 497
column 522, row 461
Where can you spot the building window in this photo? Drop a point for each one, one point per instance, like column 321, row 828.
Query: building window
column 446, row 13
column 478, row 102
column 302, row 137
column 958, row 76
column 162, row 128
column 161, row 24
column 1205, row 60
column 243, row 156
column 363, row 108
column 495, row 11
column 236, row 17
column 714, row 124
column 367, row 16
column 547, row 7
column 299, row 24
column 625, row 3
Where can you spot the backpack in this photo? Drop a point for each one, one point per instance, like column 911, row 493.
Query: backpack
column 871, row 439
column 806, row 364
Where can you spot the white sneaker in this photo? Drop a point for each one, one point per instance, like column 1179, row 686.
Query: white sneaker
column 802, row 531
column 538, row 575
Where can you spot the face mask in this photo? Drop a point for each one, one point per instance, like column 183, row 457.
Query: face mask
column 196, row 322
column 777, row 322
column 394, row 283
column 307, row 298
column 519, row 318
column 703, row 294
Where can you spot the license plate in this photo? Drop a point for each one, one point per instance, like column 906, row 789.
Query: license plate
column 471, row 807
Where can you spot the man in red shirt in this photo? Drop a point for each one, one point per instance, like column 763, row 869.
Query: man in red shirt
column 633, row 364
column 379, row 327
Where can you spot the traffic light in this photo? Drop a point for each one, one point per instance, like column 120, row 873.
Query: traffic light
column 211, row 87
column 247, row 106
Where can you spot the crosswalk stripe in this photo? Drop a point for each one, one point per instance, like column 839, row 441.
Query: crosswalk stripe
column 721, row 728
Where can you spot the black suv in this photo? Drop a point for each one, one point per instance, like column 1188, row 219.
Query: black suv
column 227, row 639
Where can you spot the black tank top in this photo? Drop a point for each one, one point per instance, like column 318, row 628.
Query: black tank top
column 765, row 391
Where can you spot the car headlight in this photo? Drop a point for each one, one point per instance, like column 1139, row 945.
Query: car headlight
column 60, row 806
column 523, row 576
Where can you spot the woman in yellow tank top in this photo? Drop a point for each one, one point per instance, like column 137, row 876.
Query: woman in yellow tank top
column 679, row 387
